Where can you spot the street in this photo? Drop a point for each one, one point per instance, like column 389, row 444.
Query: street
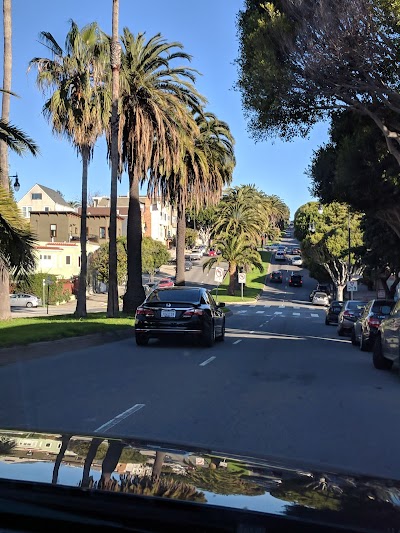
column 282, row 384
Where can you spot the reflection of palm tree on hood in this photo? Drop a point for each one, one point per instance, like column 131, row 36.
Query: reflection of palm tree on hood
column 110, row 462
column 60, row 456
column 91, row 454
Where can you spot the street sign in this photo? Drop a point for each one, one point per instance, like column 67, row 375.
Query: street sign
column 219, row 274
column 242, row 277
column 352, row 286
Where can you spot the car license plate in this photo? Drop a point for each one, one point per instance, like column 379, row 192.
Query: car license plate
column 167, row 313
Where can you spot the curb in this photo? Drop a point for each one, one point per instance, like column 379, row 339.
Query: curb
column 37, row 350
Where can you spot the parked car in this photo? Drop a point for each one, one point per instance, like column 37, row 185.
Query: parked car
column 280, row 256
column 366, row 328
column 276, row 276
column 180, row 311
column 349, row 314
column 320, row 298
column 332, row 314
column 211, row 252
column 188, row 265
column 165, row 282
column 387, row 346
column 195, row 254
column 321, row 288
column 296, row 280
column 21, row 299
column 297, row 260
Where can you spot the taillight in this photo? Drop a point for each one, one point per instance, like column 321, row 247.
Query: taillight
column 347, row 313
column 193, row 312
column 374, row 322
column 144, row 311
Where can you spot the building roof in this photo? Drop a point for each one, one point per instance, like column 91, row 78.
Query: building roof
column 67, row 213
column 101, row 212
column 54, row 195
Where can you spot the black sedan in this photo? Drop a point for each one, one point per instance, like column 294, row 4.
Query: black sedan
column 332, row 314
column 366, row 328
column 276, row 277
column 180, row 311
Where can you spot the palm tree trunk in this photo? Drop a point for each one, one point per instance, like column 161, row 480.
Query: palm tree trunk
column 110, row 462
column 60, row 456
column 81, row 303
column 157, row 466
column 134, row 295
column 91, row 454
column 180, row 246
column 232, row 278
column 5, row 311
column 112, row 302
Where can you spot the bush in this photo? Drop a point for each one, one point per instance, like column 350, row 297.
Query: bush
column 34, row 285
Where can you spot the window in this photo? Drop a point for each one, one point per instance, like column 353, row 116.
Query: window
column 68, row 260
column 79, row 261
column 36, row 196
column 48, row 444
column 102, row 232
column 46, row 257
column 47, row 209
column 26, row 211
column 53, row 230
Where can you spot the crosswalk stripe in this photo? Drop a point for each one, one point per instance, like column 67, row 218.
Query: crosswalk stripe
column 296, row 314
column 260, row 312
column 277, row 313
column 314, row 315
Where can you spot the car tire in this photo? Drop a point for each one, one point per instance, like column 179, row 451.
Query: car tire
column 209, row 335
column 340, row 331
column 353, row 337
column 221, row 337
column 29, row 304
column 379, row 360
column 141, row 339
column 364, row 345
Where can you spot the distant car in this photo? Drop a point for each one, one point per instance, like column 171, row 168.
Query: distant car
column 22, row 299
column 332, row 314
column 189, row 311
column 212, row 252
column 321, row 288
column 280, row 256
column 165, row 282
column 296, row 280
column 366, row 328
column 387, row 343
column 349, row 314
column 195, row 254
column 188, row 265
column 297, row 260
column 276, row 277
column 320, row 298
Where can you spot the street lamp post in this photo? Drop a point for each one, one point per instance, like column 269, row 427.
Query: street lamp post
column 16, row 182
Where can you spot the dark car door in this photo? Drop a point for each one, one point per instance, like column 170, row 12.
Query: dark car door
column 216, row 313
column 390, row 330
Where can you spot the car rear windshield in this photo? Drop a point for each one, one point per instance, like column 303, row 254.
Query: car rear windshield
column 356, row 305
column 320, row 294
column 181, row 295
column 382, row 307
column 296, row 276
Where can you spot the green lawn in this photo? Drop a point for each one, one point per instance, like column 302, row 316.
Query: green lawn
column 254, row 284
column 26, row 330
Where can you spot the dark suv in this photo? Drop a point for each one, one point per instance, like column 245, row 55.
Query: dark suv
column 366, row 328
column 276, row 277
column 332, row 313
column 296, row 280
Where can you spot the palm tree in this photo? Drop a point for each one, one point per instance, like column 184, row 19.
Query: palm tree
column 155, row 103
column 238, row 251
column 206, row 167
column 5, row 105
column 78, row 108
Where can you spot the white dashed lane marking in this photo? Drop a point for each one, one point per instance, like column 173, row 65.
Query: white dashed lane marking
column 204, row 363
column 237, row 342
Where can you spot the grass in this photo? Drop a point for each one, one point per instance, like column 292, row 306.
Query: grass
column 27, row 330
column 254, row 284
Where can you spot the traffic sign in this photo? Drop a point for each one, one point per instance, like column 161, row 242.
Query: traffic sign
column 242, row 277
column 352, row 286
column 219, row 274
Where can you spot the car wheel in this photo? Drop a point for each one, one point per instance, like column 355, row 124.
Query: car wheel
column 340, row 331
column 327, row 321
column 353, row 337
column 209, row 335
column 379, row 360
column 141, row 339
column 29, row 304
column 221, row 337
column 364, row 345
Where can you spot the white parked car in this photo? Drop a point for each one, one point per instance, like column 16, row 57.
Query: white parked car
column 321, row 298
column 297, row 260
column 196, row 254
column 21, row 299
column 280, row 256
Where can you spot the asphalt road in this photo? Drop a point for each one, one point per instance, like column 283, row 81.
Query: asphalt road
column 282, row 384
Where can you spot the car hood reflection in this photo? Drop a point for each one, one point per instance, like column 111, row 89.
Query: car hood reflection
column 151, row 469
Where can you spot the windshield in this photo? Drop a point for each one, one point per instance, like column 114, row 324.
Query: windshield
column 241, row 130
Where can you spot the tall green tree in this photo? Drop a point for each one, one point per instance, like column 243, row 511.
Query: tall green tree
column 299, row 61
column 78, row 108
column 156, row 97
column 205, row 168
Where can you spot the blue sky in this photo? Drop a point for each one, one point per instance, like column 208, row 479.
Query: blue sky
column 208, row 32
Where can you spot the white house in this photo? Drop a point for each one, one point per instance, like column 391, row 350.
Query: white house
column 41, row 198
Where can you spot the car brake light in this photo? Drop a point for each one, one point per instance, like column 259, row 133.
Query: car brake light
column 193, row 312
column 373, row 321
column 145, row 312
